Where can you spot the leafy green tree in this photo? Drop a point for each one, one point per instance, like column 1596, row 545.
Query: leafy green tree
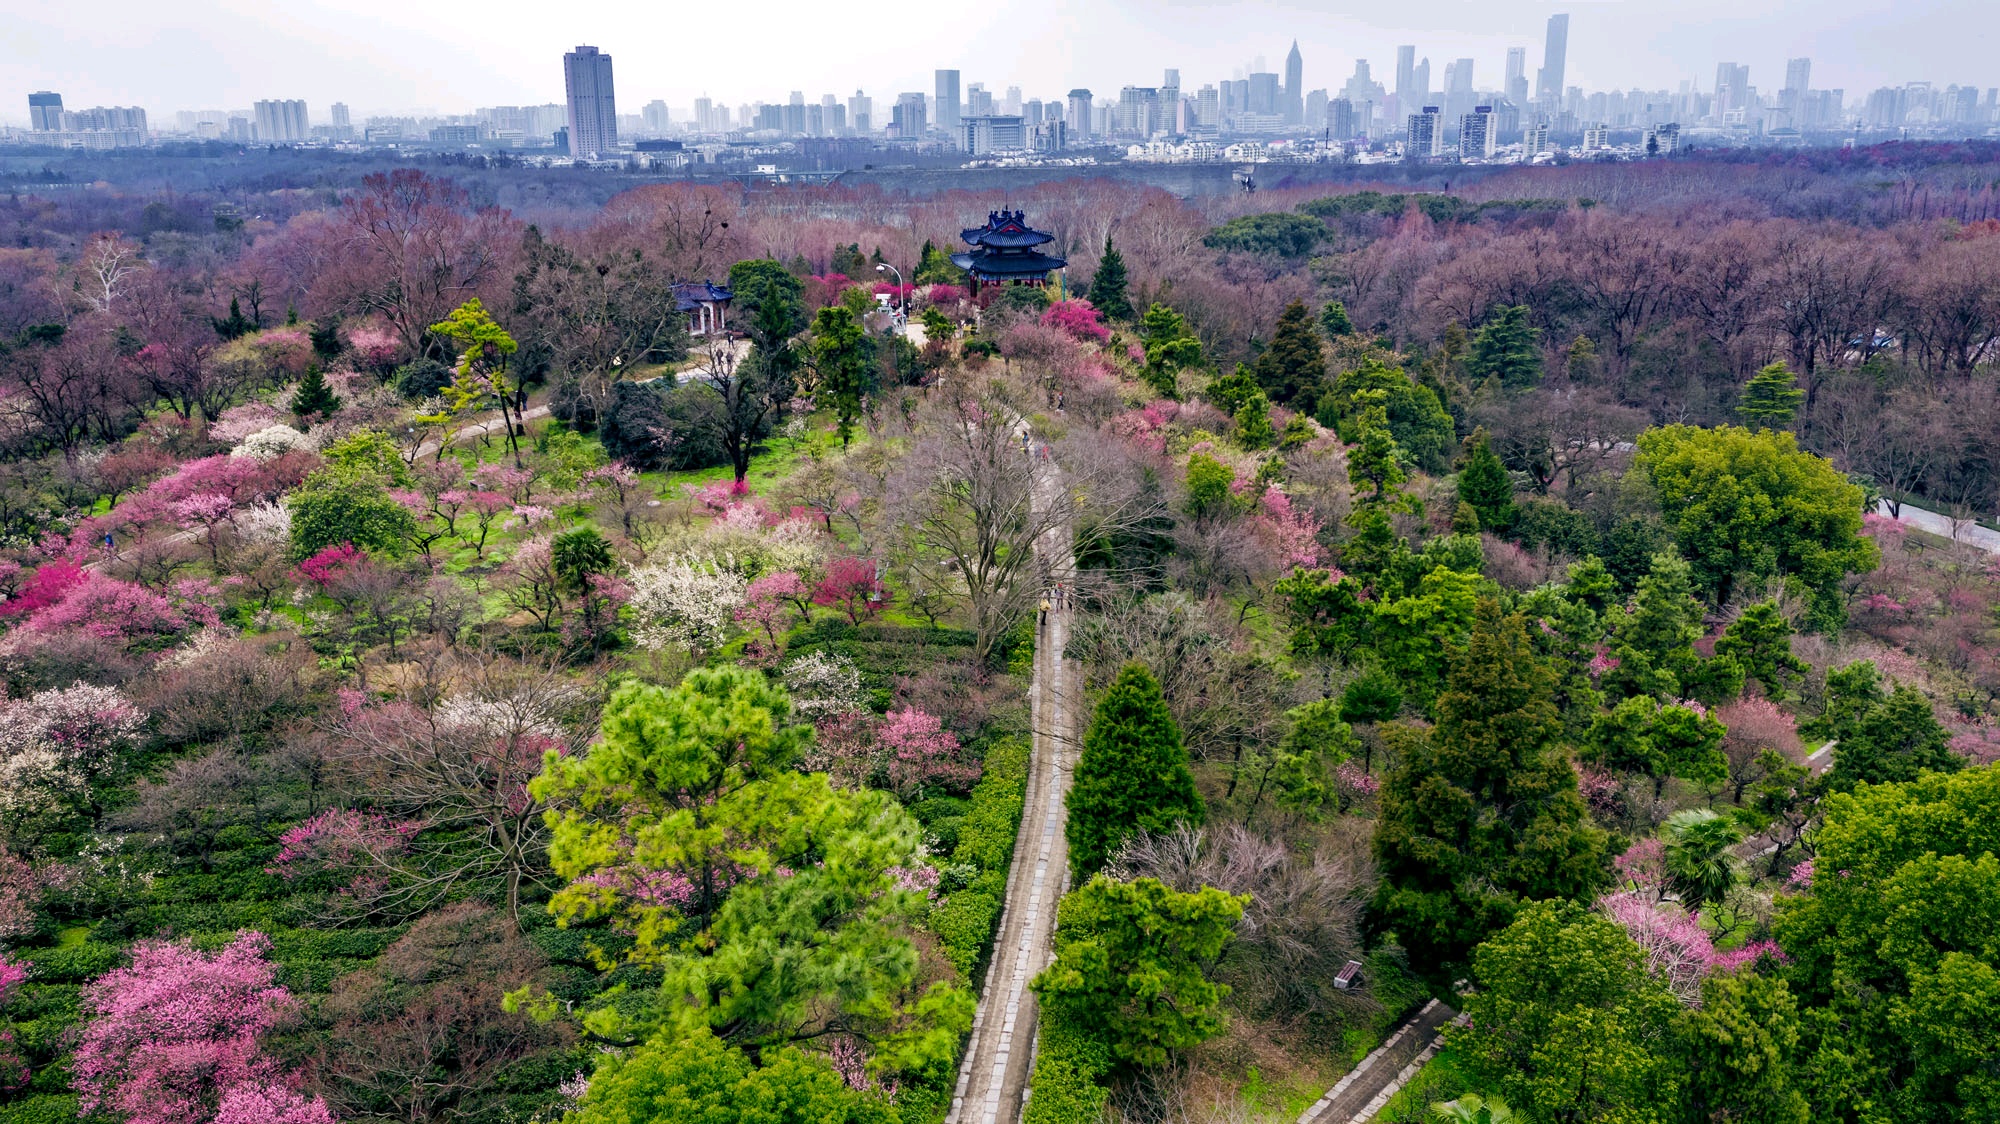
column 697, row 1079
column 1771, row 399
column 840, row 365
column 334, row 507
column 1411, row 631
column 1653, row 641
column 1700, row 868
column 1253, row 423
column 771, row 299
column 1639, row 735
column 1107, row 285
column 1761, row 641
column 1293, row 369
column 1210, row 485
column 1895, row 740
column 1567, row 1025
column 1738, row 1052
column 1171, row 347
column 368, row 452
column 1132, row 959
column 1132, row 775
column 1300, row 771
column 1851, row 693
column 1506, row 348
column 1330, row 619
column 1228, row 393
column 483, row 349
column 1415, row 417
column 1754, row 505
column 1287, row 234
column 1894, row 962
column 688, row 824
column 1485, row 484
column 934, row 267
column 1334, row 322
column 314, row 399
column 1483, row 813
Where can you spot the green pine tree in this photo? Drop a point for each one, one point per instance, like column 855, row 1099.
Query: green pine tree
column 1761, row 640
column 314, row 398
column 1293, row 369
column 1107, row 287
column 1483, row 814
column 236, row 325
column 1507, row 348
column 1333, row 320
column 1485, row 484
column 1133, row 774
column 1253, row 423
column 1771, row 398
column 1894, row 741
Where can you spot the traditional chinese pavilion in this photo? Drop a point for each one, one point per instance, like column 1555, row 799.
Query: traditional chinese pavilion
column 1003, row 252
column 706, row 305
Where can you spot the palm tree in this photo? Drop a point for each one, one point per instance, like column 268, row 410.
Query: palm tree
column 1472, row 1109
column 1700, row 868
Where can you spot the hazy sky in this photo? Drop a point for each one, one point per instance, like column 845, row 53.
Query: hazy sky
column 452, row 55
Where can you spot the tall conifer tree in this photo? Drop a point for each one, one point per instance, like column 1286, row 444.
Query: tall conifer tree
column 1133, row 774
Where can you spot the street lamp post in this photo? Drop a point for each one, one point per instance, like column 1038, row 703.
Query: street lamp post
column 901, row 291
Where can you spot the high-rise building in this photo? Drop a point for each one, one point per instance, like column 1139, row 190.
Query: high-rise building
column 340, row 118
column 704, row 115
column 1534, row 140
column 1341, row 120
column 1406, row 71
column 282, row 122
column 1420, row 82
column 861, row 113
column 906, row 120
column 1792, row 99
column 1423, row 135
column 1477, row 134
column 1078, row 118
column 987, row 134
column 1798, row 74
column 1732, row 90
column 1264, row 92
column 45, row 111
column 1295, row 91
column 655, row 115
column 1549, row 80
column 1208, row 108
column 1516, row 88
column 1458, row 77
column 948, row 106
column 1010, row 102
column 593, row 110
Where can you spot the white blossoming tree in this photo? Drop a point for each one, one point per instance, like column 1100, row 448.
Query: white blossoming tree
column 683, row 604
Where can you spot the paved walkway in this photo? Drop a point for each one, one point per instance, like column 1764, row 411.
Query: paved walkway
column 1368, row 1086
column 1972, row 534
column 1000, row 1055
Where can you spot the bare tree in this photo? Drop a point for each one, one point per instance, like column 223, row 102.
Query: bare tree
column 457, row 764
column 109, row 263
column 976, row 495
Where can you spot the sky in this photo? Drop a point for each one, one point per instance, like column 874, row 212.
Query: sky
column 449, row 56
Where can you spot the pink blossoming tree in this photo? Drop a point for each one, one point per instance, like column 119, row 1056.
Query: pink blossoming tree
column 174, row 1035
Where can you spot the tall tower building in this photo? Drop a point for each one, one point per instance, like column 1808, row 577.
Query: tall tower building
column 947, row 102
column 861, row 113
column 282, row 122
column 1549, row 82
column 340, row 116
column 593, row 111
column 1079, row 114
column 1295, row 90
column 1516, row 88
column 1406, row 71
column 45, row 112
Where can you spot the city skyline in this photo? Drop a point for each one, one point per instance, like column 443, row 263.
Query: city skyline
column 354, row 56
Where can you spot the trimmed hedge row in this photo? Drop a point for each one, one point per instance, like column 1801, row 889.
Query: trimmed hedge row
column 964, row 922
column 1070, row 1064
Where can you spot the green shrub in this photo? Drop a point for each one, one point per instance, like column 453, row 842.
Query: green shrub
column 76, row 963
column 1070, row 1063
column 964, row 922
column 58, row 1109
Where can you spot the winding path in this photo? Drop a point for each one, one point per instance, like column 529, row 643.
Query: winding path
column 1000, row 1055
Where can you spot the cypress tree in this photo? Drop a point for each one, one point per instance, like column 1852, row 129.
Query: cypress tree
column 1333, row 318
column 1506, row 349
column 1485, row 484
column 1770, row 399
column 237, row 325
column 1133, row 774
column 1483, row 814
column 1293, row 369
column 1107, row 287
column 313, row 398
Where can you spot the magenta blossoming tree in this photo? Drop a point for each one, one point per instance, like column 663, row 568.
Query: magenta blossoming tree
column 923, row 754
column 177, row 1034
column 766, row 599
column 851, row 586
